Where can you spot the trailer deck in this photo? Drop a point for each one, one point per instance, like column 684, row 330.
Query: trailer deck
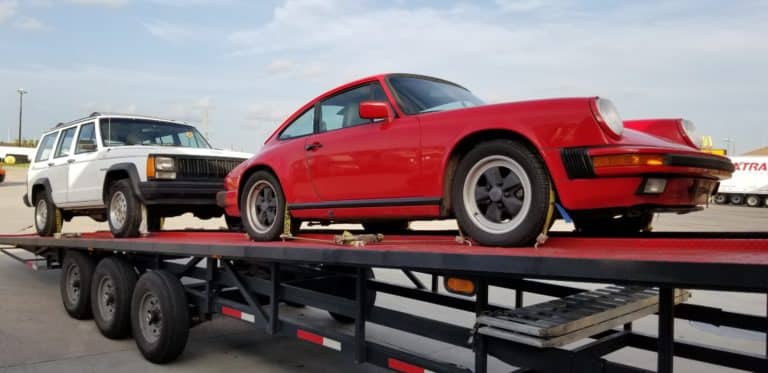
column 220, row 267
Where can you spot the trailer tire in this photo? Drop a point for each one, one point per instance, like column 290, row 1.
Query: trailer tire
column 111, row 291
column 721, row 199
column 753, row 201
column 736, row 199
column 160, row 316
column 350, row 291
column 75, row 284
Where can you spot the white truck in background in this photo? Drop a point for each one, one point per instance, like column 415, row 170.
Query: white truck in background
column 748, row 185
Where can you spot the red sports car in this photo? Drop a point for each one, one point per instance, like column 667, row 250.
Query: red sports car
column 392, row 148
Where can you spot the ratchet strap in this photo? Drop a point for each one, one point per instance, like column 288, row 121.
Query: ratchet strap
column 542, row 238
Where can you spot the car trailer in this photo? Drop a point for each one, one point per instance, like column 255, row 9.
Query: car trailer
column 224, row 273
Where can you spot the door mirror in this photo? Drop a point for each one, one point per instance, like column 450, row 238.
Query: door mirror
column 85, row 146
column 375, row 110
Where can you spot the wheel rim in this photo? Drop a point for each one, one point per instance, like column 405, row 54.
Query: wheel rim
column 497, row 194
column 720, row 198
column 106, row 298
column 118, row 210
column 150, row 317
column 74, row 285
column 262, row 206
column 753, row 201
column 736, row 200
column 41, row 214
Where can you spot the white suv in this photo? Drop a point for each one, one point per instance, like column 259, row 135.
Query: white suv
column 125, row 169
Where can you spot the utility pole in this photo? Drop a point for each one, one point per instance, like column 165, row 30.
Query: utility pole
column 22, row 92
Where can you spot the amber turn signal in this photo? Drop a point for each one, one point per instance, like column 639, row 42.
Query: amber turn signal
column 623, row 160
column 460, row 286
column 150, row 167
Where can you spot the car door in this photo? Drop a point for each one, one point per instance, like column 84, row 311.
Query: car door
column 351, row 158
column 58, row 166
column 39, row 168
column 83, row 186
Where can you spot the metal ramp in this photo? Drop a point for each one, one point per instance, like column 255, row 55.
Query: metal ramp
column 562, row 321
column 36, row 263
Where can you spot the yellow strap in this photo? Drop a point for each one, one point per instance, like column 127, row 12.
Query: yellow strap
column 542, row 238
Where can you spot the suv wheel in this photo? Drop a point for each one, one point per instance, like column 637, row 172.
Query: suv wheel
column 262, row 207
column 123, row 210
column 48, row 219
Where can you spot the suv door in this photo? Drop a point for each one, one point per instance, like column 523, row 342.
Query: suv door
column 58, row 166
column 83, row 186
column 39, row 168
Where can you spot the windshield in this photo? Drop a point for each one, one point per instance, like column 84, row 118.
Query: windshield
column 420, row 95
column 126, row 132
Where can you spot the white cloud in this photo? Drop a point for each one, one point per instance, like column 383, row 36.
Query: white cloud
column 110, row 3
column 179, row 33
column 7, row 9
column 29, row 24
column 526, row 5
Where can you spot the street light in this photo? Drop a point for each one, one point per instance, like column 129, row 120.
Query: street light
column 22, row 92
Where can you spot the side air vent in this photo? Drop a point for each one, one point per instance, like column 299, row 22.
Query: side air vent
column 577, row 163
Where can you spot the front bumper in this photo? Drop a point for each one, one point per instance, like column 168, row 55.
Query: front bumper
column 170, row 192
column 26, row 200
column 227, row 199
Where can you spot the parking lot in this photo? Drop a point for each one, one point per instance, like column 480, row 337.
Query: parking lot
column 36, row 335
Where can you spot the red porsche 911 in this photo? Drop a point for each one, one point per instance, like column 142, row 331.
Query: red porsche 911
column 388, row 149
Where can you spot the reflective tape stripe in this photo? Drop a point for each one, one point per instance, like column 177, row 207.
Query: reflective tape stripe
column 231, row 312
column 402, row 366
column 318, row 339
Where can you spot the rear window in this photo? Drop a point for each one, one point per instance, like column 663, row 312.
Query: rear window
column 46, row 147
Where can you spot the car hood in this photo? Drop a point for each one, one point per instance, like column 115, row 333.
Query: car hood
column 174, row 150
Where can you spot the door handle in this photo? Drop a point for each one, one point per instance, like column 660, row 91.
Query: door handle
column 313, row 146
column 51, row 164
column 70, row 161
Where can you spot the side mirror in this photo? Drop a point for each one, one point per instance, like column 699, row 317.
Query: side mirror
column 375, row 110
column 87, row 145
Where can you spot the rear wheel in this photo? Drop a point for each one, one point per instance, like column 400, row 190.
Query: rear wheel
column 721, row 199
column 75, row 284
column 501, row 194
column 159, row 316
column 123, row 210
column 390, row 226
column 753, row 201
column 736, row 199
column 614, row 226
column 262, row 207
column 48, row 218
column 112, row 289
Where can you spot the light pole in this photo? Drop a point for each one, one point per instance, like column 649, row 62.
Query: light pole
column 22, row 92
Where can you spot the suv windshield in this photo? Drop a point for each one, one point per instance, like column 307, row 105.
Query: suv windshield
column 423, row 95
column 126, row 132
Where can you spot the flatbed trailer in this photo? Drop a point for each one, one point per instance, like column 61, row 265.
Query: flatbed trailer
column 224, row 273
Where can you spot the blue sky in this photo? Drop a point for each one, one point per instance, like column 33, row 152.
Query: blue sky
column 251, row 63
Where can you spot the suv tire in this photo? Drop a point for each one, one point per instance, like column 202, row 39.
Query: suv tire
column 48, row 219
column 123, row 210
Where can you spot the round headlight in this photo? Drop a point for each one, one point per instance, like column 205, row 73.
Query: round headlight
column 689, row 130
column 609, row 116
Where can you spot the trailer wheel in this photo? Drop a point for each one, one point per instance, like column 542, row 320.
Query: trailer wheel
column 111, row 289
column 348, row 290
column 721, row 199
column 123, row 210
column 753, row 201
column 501, row 194
column 75, row 284
column 262, row 207
column 159, row 316
column 736, row 199
column 48, row 218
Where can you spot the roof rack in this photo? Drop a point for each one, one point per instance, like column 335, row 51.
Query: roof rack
column 100, row 114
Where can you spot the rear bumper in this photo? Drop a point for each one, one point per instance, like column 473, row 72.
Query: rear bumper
column 179, row 192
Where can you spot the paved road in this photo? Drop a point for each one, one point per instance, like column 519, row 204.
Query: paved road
column 36, row 335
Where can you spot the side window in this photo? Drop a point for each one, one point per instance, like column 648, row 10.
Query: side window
column 342, row 110
column 301, row 126
column 46, row 147
column 65, row 142
column 86, row 140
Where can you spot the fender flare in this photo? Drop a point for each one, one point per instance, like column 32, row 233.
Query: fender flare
column 45, row 183
column 133, row 178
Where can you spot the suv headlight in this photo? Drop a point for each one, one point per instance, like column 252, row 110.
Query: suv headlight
column 161, row 168
column 608, row 116
column 689, row 132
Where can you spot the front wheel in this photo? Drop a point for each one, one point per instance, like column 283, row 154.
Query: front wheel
column 262, row 207
column 501, row 194
column 48, row 218
column 123, row 210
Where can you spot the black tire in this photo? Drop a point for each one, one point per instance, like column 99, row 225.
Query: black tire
column 234, row 223
column 612, row 226
column 111, row 290
column 2, row 178
column 347, row 289
column 75, row 284
column 164, row 342
column 48, row 217
column 264, row 223
column 387, row 226
column 721, row 199
column 736, row 199
column 753, row 201
column 155, row 222
column 511, row 228
column 129, row 225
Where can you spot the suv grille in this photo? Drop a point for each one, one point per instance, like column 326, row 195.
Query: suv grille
column 205, row 168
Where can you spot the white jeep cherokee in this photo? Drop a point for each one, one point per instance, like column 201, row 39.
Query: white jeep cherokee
column 125, row 169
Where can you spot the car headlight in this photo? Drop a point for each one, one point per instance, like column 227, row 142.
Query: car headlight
column 164, row 164
column 689, row 132
column 609, row 116
column 161, row 168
